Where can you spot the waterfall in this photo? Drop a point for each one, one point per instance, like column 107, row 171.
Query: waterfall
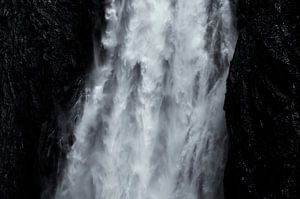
column 152, row 125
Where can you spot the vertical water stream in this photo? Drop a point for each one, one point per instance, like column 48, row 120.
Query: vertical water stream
column 153, row 124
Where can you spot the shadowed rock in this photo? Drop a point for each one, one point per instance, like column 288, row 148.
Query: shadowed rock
column 262, row 103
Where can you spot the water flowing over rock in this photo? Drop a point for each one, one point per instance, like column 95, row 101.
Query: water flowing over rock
column 152, row 125
column 142, row 116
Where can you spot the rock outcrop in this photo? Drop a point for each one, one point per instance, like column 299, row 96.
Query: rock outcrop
column 46, row 51
column 262, row 102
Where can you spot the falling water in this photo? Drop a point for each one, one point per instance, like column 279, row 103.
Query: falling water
column 152, row 125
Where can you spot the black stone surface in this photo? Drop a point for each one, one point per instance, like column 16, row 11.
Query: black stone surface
column 45, row 54
column 262, row 103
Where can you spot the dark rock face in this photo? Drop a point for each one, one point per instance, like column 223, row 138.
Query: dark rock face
column 262, row 103
column 45, row 52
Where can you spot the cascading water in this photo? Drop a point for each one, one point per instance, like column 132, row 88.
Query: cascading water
column 152, row 125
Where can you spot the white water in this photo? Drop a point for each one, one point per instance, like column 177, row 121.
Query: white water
column 153, row 125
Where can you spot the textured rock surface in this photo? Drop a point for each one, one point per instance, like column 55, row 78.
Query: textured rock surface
column 262, row 103
column 45, row 52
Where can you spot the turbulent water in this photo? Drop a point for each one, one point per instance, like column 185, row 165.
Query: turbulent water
column 152, row 125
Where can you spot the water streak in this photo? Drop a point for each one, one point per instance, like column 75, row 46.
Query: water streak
column 153, row 125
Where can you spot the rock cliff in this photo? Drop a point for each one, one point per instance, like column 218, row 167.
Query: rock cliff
column 262, row 102
column 46, row 50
